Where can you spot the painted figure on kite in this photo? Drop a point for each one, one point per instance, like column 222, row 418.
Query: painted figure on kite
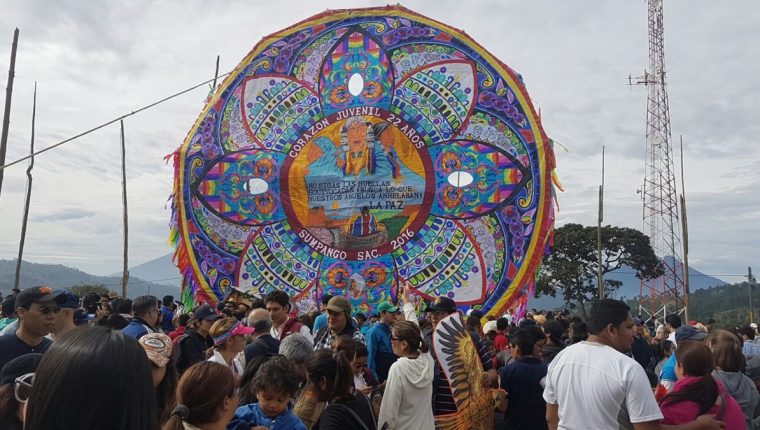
column 363, row 224
column 360, row 170
column 382, row 109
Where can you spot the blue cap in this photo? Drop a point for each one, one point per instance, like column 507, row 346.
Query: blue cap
column 688, row 332
column 67, row 299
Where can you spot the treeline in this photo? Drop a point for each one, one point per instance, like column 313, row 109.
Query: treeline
column 728, row 304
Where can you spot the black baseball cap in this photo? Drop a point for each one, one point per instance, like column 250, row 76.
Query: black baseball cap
column 40, row 294
column 442, row 304
column 205, row 312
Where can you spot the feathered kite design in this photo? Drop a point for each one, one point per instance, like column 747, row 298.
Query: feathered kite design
column 458, row 357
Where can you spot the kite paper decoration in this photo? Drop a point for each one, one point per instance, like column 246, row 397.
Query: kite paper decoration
column 359, row 149
column 458, row 358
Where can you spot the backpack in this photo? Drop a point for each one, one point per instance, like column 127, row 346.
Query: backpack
column 177, row 340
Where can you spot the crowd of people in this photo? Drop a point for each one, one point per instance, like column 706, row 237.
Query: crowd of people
column 109, row 362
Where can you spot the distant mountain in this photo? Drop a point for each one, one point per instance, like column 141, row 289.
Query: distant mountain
column 160, row 270
column 60, row 276
column 631, row 287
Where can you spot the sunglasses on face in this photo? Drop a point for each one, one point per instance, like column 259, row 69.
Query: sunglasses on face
column 45, row 310
column 23, row 386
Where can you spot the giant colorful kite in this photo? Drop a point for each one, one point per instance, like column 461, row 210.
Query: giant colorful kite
column 360, row 148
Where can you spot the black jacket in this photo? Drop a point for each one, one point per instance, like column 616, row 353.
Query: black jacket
column 261, row 347
column 192, row 349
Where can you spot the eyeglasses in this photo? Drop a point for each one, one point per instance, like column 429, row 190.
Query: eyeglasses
column 45, row 310
column 23, row 386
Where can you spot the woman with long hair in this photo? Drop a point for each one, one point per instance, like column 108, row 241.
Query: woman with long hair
column 331, row 381
column 696, row 392
column 661, row 349
column 15, row 378
column 206, row 398
column 92, row 378
column 158, row 348
column 726, row 350
column 407, row 401
column 364, row 380
column 229, row 341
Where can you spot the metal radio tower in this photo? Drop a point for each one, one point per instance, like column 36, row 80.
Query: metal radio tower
column 665, row 294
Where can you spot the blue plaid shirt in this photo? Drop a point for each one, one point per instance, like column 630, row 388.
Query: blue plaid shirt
column 751, row 348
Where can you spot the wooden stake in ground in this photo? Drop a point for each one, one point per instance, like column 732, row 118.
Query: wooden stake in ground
column 28, row 195
column 125, row 276
column 7, row 114
column 600, row 275
column 685, row 231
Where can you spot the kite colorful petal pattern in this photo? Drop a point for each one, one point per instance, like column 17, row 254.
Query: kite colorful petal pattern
column 331, row 161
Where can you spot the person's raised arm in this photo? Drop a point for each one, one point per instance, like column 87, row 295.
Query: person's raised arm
column 408, row 306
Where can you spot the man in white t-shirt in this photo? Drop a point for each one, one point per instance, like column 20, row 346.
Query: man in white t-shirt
column 593, row 385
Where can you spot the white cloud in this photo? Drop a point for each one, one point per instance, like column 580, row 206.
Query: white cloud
column 96, row 60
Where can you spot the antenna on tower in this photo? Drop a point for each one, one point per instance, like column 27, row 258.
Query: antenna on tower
column 666, row 294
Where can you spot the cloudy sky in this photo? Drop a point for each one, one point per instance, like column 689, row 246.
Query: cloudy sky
column 95, row 60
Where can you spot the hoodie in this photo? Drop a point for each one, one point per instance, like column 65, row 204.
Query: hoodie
column 741, row 388
column 248, row 416
column 407, row 400
column 687, row 411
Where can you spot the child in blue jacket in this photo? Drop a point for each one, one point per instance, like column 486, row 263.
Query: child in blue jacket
column 275, row 388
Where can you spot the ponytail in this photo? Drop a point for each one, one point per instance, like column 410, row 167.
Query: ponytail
column 335, row 367
column 704, row 392
column 174, row 423
column 424, row 346
column 179, row 414
column 344, row 379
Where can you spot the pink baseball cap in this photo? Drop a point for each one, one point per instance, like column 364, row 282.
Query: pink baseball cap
column 237, row 329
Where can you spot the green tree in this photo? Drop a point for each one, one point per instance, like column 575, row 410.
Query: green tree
column 82, row 290
column 573, row 265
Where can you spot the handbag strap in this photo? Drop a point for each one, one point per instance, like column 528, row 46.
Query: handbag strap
column 352, row 413
column 723, row 405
